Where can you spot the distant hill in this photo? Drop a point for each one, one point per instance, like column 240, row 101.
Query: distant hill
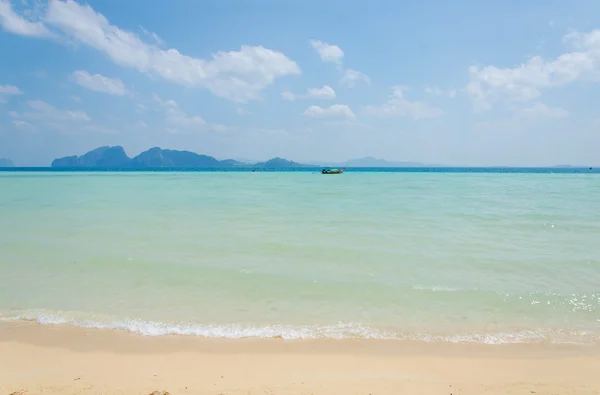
column 6, row 162
column 279, row 163
column 115, row 158
column 369, row 161
column 157, row 157
column 104, row 157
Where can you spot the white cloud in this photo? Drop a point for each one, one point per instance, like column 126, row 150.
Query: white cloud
column 141, row 125
column 351, row 77
column 99, row 83
column 140, row 108
column 46, row 112
column 336, row 110
column 176, row 117
column 21, row 124
column 334, row 54
column 325, row 92
column 42, row 115
column 242, row 111
column 14, row 23
column 328, row 53
column 13, row 114
column 10, row 90
column 439, row 92
column 398, row 105
column 289, row 96
column 236, row 75
column 523, row 83
column 76, row 99
column 46, row 116
column 184, row 120
column 170, row 106
column 159, row 41
column 542, row 111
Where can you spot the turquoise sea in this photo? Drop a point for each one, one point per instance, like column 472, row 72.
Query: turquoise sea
column 491, row 257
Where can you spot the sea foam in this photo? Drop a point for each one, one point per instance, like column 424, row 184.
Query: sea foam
column 337, row 331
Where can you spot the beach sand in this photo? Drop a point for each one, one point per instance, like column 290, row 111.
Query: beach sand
column 55, row 359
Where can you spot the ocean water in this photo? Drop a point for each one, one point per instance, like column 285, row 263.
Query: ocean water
column 460, row 257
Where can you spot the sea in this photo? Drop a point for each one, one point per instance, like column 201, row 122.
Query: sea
column 440, row 254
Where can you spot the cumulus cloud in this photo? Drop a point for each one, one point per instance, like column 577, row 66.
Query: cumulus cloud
column 10, row 90
column 491, row 84
column 398, row 105
column 99, row 83
column 329, row 53
column 43, row 115
column 333, row 54
column 178, row 120
column 351, row 77
column 236, row 75
column 16, row 24
column 44, row 111
column 325, row 92
column 336, row 110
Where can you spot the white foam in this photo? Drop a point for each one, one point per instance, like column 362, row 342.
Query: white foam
column 292, row 332
column 434, row 288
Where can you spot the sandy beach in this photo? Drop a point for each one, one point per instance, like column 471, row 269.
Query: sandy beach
column 65, row 360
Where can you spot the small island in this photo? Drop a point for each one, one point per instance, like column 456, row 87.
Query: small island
column 114, row 157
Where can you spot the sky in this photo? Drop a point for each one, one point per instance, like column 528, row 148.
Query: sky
column 473, row 83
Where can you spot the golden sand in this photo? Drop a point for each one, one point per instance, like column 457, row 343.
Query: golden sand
column 47, row 359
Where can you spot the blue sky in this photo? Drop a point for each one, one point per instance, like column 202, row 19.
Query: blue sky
column 467, row 83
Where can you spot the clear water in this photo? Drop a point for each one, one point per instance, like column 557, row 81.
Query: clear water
column 478, row 257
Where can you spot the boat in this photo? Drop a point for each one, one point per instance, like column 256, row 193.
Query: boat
column 333, row 171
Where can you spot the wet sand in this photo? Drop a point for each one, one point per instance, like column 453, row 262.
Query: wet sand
column 54, row 359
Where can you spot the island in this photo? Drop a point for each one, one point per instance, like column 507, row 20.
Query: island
column 6, row 162
column 279, row 163
column 114, row 157
column 370, row 161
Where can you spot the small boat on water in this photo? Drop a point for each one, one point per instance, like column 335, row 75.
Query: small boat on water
column 333, row 171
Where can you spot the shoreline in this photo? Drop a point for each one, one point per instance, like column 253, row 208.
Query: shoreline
column 59, row 359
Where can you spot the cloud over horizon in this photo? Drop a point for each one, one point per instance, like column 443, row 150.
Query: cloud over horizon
column 82, row 73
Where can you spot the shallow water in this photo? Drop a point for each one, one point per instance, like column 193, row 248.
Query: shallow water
column 483, row 257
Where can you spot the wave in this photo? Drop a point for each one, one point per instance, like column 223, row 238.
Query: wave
column 436, row 288
column 294, row 332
